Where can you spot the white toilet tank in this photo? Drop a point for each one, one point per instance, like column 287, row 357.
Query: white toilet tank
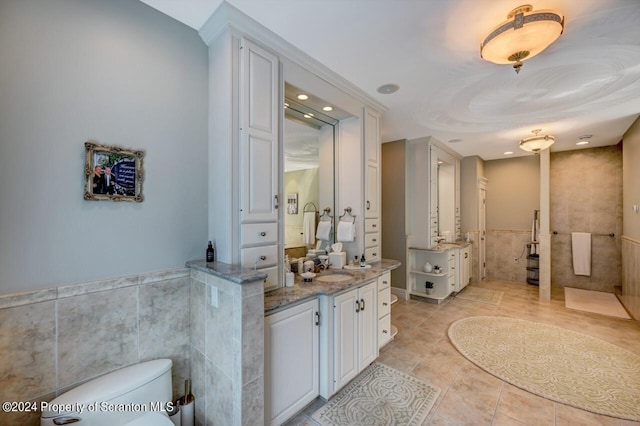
column 117, row 398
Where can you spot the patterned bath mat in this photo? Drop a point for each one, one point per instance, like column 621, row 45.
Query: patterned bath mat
column 379, row 396
column 555, row 363
column 483, row 295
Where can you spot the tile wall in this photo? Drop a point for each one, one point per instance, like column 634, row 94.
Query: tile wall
column 227, row 351
column 630, row 297
column 502, row 246
column 53, row 340
column 586, row 196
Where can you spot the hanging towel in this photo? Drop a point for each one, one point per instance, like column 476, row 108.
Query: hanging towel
column 309, row 227
column 581, row 249
column 324, row 230
column 346, row 231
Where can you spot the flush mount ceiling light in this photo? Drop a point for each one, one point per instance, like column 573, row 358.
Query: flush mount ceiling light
column 537, row 143
column 302, row 97
column 525, row 34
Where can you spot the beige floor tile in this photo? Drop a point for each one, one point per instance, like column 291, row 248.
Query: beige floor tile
column 502, row 420
column 569, row 416
column 477, row 385
column 455, row 409
column 526, row 407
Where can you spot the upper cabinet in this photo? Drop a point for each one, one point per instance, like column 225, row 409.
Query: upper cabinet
column 259, row 101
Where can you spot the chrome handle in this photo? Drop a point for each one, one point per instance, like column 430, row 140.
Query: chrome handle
column 384, row 303
column 317, row 318
column 368, row 205
column 275, row 204
column 362, row 301
column 357, row 306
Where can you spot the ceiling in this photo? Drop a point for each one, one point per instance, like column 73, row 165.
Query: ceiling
column 586, row 83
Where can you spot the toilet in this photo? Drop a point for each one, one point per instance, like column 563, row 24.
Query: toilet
column 134, row 396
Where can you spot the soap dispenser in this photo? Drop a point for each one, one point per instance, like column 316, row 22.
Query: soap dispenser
column 210, row 253
column 363, row 261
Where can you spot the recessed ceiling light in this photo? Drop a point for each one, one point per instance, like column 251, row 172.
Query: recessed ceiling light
column 387, row 89
column 286, row 105
column 303, row 97
column 508, row 153
column 455, row 140
column 306, row 116
column 584, row 140
column 440, row 162
column 327, row 108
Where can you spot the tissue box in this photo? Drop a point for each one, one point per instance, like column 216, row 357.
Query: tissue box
column 337, row 260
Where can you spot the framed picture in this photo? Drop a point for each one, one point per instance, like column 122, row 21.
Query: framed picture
column 292, row 203
column 113, row 173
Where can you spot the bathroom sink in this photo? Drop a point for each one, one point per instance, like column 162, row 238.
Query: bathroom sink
column 334, row 278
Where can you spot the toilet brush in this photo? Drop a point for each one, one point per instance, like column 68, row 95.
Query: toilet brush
column 187, row 404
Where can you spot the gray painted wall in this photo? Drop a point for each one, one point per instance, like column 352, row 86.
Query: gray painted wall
column 513, row 192
column 120, row 73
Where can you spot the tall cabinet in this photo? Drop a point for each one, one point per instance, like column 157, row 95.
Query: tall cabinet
column 372, row 223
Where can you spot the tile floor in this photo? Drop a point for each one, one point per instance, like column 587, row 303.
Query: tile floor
column 469, row 396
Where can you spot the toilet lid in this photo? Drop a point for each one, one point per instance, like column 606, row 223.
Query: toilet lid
column 151, row 419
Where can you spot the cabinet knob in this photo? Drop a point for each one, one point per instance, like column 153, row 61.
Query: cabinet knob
column 384, row 282
column 317, row 318
column 275, row 202
column 263, row 234
column 368, row 205
column 374, row 226
column 357, row 306
column 263, row 258
column 384, row 331
column 384, row 303
column 375, row 254
column 374, row 240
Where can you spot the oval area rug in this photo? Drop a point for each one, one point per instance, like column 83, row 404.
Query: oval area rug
column 554, row 363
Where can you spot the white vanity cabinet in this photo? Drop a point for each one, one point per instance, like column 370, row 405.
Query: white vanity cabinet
column 384, row 309
column 291, row 361
column 463, row 270
column 355, row 333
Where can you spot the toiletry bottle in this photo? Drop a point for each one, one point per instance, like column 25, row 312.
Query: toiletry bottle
column 210, row 252
column 356, row 262
column 363, row 261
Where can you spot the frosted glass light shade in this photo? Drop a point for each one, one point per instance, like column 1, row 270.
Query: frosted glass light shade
column 537, row 143
column 523, row 36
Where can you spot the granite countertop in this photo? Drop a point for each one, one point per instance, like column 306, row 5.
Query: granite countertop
column 444, row 246
column 284, row 297
column 233, row 273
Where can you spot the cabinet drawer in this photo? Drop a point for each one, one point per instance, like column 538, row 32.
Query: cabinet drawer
column 259, row 256
column 371, row 225
column 384, row 281
column 384, row 330
column 372, row 254
column 258, row 233
column 273, row 277
column 372, row 240
column 384, row 303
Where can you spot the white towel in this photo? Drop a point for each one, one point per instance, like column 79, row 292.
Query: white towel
column 324, row 230
column 581, row 248
column 309, row 227
column 346, row 231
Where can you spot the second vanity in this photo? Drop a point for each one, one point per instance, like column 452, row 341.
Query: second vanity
column 452, row 275
column 319, row 335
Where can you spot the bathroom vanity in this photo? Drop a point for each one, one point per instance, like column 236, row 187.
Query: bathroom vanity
column 453, row 263
column 319, row 335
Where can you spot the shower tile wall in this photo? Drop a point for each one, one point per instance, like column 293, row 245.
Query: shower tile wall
column 586, row 196
column 130, row 320
column 502, row 246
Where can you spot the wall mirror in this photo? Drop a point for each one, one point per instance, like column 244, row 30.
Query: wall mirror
column 309, row 170
column 446, row 196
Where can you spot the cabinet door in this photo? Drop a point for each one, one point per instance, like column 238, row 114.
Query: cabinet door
column 346, row 310
column 368, row 325
column 372, row 164
column 259, row 77
column 291, row 361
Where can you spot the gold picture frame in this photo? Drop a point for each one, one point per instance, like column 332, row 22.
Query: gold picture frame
column 113, row 173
